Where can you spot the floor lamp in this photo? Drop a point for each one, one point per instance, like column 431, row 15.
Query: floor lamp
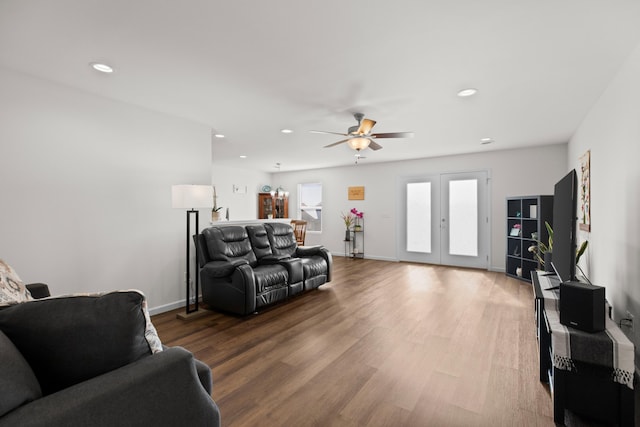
column 191, row 197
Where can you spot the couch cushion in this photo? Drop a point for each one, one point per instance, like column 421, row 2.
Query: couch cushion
column 259, row 241
column 281, row 238
column 70, row 339
column 269, row 276
column 18, row 384
column 228, row 243
column 12, row 290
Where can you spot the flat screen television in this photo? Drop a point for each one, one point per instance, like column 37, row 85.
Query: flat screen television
column 563, row 254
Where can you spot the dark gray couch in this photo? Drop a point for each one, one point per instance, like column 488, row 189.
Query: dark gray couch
column 85, row 361
column 245, row 268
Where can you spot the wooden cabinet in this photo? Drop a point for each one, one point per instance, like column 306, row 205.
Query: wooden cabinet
column 272, row 206
column 526, row 216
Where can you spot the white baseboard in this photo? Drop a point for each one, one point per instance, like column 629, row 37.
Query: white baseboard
column 166, row 307
column 379, row 258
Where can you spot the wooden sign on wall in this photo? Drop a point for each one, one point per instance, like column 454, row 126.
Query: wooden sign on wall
column 356, row 193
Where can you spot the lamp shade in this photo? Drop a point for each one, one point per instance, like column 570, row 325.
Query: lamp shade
column 358, row 143
column 191, row 196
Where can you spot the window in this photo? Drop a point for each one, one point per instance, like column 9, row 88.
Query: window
column 310, row 205
column 419, row 217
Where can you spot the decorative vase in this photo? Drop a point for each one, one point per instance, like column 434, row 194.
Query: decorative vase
column 358, row 227
column 347, row 235
column 519, row 271
column 547, row 262
column 215, row 216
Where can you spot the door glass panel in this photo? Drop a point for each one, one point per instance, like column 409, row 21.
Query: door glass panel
column 419, row 217
column 463, row 217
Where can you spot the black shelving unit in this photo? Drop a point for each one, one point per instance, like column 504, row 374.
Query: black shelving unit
column 354, row 247
column 525, row 216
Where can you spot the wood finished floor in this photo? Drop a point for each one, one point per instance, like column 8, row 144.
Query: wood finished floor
column 383, row 344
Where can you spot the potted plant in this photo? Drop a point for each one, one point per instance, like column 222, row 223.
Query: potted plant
column 215, row 212
column 543, row 252
column 348, row 222
column 357, row 216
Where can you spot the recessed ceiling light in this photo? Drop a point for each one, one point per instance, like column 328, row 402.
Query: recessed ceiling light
column 219, row 135
column 243, row 157
column 467, row 92
column 103, row 68
column 485, row 141
column 286, row 131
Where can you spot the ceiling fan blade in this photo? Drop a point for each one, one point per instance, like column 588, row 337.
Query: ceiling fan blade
column 365, row 126
column 374, row 145
column 336, row 143
column 394, row 135
column 329, row 133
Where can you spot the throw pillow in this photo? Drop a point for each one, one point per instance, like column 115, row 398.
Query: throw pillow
column 67, row 340
column 18, row 384
column 12, row 290
column 150, row 332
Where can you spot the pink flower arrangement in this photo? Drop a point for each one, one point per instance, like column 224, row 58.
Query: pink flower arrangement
column 352, row 219
column 358, row 216
column 357, row 213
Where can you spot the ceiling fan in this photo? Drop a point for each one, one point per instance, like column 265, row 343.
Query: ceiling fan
column 360, row 137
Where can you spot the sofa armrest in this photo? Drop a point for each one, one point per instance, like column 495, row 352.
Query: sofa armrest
column 294, row 269
column 161, row 389
column 302, row 251
column 203, row 371
column 273, row 259
column 38, row 290
column 222, row 268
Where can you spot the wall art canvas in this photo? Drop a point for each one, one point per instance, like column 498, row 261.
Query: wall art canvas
column 584, row 220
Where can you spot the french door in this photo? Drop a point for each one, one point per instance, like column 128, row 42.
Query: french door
column 444, row 219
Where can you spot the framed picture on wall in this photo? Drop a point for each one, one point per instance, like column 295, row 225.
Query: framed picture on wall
column 585, row 192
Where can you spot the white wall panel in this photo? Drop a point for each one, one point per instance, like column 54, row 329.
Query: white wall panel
column 86, row 189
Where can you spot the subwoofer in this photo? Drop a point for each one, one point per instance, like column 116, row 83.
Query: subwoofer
column 582, row 306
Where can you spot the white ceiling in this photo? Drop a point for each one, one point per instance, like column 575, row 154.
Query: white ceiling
column 250, row 68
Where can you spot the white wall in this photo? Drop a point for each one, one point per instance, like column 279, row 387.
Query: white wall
column 242, row 206
column 86, row 190
column 514, row 172
column 611, row 131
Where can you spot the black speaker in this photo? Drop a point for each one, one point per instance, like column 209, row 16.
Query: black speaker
column 582, row 306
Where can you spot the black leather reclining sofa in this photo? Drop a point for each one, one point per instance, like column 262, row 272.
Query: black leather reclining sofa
column 245, row 268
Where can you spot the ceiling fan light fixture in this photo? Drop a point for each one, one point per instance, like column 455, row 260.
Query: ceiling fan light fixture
column 358, row 143
column 467, row 92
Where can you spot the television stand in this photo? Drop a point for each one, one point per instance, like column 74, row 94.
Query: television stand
column 584, row 382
